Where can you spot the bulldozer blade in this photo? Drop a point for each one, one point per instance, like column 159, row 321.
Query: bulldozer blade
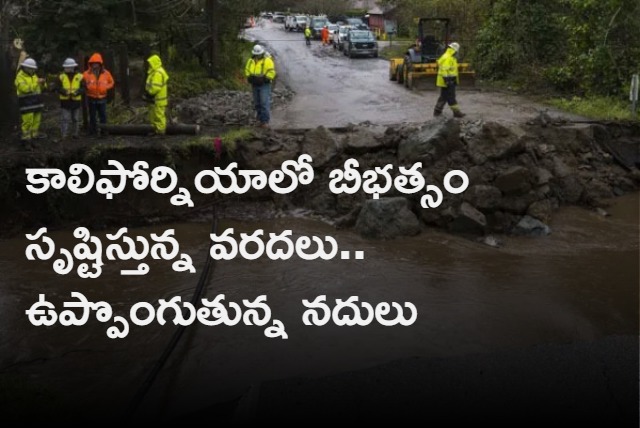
column 421, row 81
column 427, row 81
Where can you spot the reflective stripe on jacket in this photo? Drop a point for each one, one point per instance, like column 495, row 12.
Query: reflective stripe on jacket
column 447, row 67
column 157, row 78
column 28, row 90
column 98, row 86
column 260, row 67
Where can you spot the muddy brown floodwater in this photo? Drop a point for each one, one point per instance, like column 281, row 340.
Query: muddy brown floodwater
column 579, row 284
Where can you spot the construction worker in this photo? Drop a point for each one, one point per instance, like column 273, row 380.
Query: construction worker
column 157, row 94
column 307, row 35
column 98, row 81
column 324, row 33
column 29, row 89
column 447, row 80
column 70, row 89
column 260, row 72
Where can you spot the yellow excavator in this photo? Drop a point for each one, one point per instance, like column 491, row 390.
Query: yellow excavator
column 419, row 64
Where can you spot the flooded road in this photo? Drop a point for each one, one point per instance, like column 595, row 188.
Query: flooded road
column 579, row 284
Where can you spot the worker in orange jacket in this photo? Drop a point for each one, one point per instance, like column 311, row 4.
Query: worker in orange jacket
column 324, row 33
column 98, row 81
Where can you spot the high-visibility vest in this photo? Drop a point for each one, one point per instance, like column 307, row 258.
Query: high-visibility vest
column 71, row 86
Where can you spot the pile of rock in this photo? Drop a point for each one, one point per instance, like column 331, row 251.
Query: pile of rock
column 226, row 108
column 518, row 175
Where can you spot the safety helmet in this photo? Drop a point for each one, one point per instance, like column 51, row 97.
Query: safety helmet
column 29, row 63
column 69, row 63
column 257, row 50
column 455, row 46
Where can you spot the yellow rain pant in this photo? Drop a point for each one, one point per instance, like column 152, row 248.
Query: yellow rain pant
column 30, row 125
column 157, row 118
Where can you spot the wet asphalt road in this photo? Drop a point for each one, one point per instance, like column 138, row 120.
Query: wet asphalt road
column 334, row 90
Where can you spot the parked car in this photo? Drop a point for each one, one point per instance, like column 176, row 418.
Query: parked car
column 359, row 43
column 316, row 24
column 357, row 23
column 299, row 23
column 278, row 17
column 340, row 36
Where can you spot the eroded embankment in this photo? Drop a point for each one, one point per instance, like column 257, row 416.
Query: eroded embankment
column 518, row 175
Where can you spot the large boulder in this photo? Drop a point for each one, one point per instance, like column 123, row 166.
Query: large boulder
column 265, row 153
column 430, row 143
column 321, row 145
column 362, row 141
column 387, row 218
column 467, row 219
column 531, row 227
column 483, row 197
column 514, row 181
column 494, row 142
column 541, row 210
column 571, row 189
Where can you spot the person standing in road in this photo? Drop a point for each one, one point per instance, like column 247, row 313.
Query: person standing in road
column 307, row 35
column 260, row 72
column 71, row 89
column 447, row 80
column 98, row 81
column 324, row 33
column 156, row 94
column 29, row 89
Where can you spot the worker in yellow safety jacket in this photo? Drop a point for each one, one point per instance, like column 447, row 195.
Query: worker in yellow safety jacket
column 307, row 35
column 29, row 89
column 447, row 80
column 156, row 94
column 260, row 71
column 71, row 88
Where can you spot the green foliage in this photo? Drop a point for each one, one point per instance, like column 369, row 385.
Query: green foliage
column 578, row 46
column 204, row 144
column 398, row 49
column 517, row 35
column 603, row 108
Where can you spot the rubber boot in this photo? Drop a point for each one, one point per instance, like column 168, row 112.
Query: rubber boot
column 437, row 112
column 458, row 113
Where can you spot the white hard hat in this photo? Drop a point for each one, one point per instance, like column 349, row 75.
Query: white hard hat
column 257, row 50
column 29, row 63
column 69, row 62
column 455, row 46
